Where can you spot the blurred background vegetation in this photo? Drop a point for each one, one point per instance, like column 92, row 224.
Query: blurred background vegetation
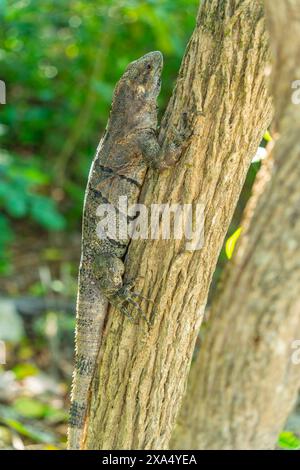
column 60, row 61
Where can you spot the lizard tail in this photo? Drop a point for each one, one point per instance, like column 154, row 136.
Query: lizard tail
column 78, row 410
column 89, row 324
column 74, row 438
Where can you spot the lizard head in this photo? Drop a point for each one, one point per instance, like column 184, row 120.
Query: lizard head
column 134, row 101
column 144, row 75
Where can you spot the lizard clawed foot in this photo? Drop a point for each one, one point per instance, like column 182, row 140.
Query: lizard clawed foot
column 126, row 297
column 127, row 314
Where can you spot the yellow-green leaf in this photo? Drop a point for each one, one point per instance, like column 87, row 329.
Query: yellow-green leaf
column 30, row 408
column 288, row 440
column 230, row 243
column 268, row 137
column 24, row 370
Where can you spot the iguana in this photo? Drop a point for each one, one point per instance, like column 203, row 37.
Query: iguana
column 128, row 148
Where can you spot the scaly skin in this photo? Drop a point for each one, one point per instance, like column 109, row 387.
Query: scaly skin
column 128, row 147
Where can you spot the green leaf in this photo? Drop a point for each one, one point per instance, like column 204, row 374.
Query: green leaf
column 4, row 189
column 44, row 212
column 30, row 173
column 15, row 204
column 24, row 370
column 29, row 431
column 231, row 242
column 268, row 137
column 30, row 408
column 288, row 440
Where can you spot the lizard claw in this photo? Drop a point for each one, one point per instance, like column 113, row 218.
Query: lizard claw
column 138, row 308
column 128, row 314
column 125, row 297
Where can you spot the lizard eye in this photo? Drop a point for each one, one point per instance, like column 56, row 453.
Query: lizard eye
column 149, row 66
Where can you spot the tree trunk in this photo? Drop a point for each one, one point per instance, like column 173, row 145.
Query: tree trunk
column 221, row 91
column 244, row 382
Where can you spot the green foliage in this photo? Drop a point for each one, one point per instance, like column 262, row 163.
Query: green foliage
column 18, row 192
column 60, row 61
column 32, row 408
column 21, row 181
column 288, row 440
column 6, row 237
column 27, row 430
column 24, row 370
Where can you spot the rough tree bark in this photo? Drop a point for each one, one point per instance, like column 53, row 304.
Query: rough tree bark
column 221, row 90
column 244, row 384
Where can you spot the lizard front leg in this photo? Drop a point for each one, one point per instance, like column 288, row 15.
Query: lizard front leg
column 161, row 157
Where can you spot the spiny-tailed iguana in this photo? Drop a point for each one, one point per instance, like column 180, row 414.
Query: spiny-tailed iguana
column 127, row 149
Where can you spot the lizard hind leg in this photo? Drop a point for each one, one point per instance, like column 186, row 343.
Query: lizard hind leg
column 127, row 314
column 126, row 296
column 109, row 270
